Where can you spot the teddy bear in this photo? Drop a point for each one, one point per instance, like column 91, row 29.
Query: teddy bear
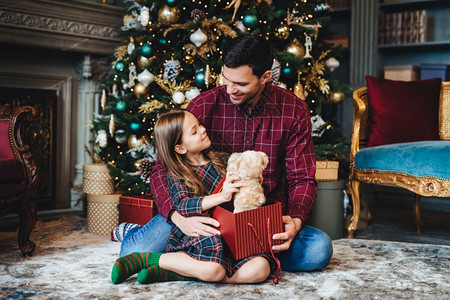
column 249, row 166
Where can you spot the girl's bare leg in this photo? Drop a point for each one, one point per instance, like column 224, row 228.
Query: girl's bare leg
column 253, row 271
column 185, row 265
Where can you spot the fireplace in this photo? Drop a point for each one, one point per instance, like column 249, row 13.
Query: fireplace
column 51, row 53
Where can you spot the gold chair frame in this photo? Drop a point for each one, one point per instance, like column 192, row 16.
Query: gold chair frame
column 421, row 186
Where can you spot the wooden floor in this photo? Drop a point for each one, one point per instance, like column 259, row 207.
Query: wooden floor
column 397, row 224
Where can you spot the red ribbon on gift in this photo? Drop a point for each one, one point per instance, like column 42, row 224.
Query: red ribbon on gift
column 270, row 252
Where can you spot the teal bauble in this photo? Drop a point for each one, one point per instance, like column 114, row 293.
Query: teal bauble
column 163, row 41
column 171, row 3
column 200, row 78
column 119, row 66
column 287, row 71
column 146, row 50
column 121, row 106
column 250, row 21
column 135, row 127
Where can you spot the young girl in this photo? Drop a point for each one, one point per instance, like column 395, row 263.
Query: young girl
column 194, row 170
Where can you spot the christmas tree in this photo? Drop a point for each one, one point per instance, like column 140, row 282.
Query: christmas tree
column 171, row 51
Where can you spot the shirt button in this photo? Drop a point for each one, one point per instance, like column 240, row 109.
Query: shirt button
column 248, row 141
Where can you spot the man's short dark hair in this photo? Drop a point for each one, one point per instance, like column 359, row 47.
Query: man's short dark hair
column 249, row 50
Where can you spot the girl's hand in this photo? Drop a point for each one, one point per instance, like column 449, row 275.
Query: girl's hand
column 231, row 185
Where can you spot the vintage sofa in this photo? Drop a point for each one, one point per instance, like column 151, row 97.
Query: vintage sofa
column 404, row 141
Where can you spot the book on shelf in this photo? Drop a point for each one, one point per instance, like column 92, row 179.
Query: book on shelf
column 402, row 28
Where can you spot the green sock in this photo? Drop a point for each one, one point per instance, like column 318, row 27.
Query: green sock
column 158, row 274
column 132, row 263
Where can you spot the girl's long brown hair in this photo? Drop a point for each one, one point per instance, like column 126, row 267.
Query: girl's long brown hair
column 168, row 132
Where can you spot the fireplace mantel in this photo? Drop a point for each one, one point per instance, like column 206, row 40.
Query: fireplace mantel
column 66, row 25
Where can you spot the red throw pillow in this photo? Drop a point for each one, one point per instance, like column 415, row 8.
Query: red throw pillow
column 402, row 111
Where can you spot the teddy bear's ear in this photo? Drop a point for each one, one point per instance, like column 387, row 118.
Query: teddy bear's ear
column 264, row 159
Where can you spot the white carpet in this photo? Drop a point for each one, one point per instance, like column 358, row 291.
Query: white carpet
column 70, row 263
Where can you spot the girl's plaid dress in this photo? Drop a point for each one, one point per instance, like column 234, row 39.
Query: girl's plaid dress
column 205, row 248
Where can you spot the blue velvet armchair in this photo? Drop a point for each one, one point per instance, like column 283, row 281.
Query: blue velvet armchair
column 422, row 167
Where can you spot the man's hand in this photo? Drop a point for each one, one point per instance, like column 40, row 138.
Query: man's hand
column 195, row 226
column 291, row 227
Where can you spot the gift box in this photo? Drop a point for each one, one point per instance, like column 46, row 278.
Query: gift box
column 428, row 71
column 327, row 170
column 247, row 233
column 136, row 209
column 97, row 180
column 102, row 213
column 403, row 73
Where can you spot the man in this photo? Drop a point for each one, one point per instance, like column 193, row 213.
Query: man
column 248, row 113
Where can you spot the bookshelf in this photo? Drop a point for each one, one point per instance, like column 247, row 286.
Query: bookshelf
column 433, row 49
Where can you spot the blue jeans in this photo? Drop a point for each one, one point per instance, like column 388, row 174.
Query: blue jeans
column 311, row 249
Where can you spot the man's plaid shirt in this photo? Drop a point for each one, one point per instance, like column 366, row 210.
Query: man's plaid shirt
column 279, row 125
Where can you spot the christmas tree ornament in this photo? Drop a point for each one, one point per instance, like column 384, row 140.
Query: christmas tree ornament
column 102, row 139
column 103, row 99
column 308, row 47
column 144, row 16
column 145, row 77
column 112, row 125
column 287, row 71
column 130, row 47
column 132, row 75
column 168, row 15
column 192, row 93
column 119, row 66
column 120, row 136
column 198, row 37
column 318, row 126
column 162, row 41
column 114, row 89
column 336, row 97
column 200, row 78
column 139, row 90
column 172, row 69
column 332, row 64
column 276, row 71
column 197, row 15
column 171, row 3
column 207, row 76
column 236, row 4
column 219, row 79
column 121, row 106
column 145, row 169
column 299, row 91
column 143, row 62
column 135, row 127
column 134, row 141
column 178, row 97
column 146, row 50
column 282, row 32
column 250, row 21
column 295, row 48
column 239, row 25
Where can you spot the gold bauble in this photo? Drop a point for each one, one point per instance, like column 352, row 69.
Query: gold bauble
column 296, row 49
column 336, row 97
column 139, row 90
column 143, row 62
column 282, row 32
column 168, row 15
column 136, row 142
column 299, row 91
